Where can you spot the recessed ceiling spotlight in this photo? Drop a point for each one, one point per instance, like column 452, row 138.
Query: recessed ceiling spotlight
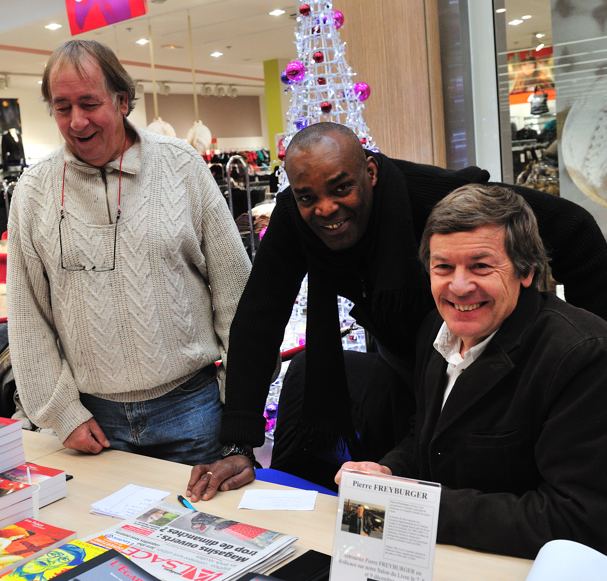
column 216, row 54
column 171, row 46
column 277, row 12
column 540, row 35
column 539, row 47
column 53, row 26
column 142, row 41
column 39, row 82
column 515, row 22
column 500, row 10
column 527, row 17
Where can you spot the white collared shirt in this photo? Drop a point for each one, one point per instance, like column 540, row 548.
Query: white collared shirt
column 449, row 345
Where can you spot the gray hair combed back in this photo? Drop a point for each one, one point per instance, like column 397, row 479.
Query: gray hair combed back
column 75, row 52
column 476, row 205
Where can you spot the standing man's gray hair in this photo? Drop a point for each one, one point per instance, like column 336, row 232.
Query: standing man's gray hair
column 476, row 205
column 75, row 52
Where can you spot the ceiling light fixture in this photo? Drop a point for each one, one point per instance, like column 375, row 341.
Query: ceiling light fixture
column 500, row 10
column 216, row 54
column 277, row 12
column 539, row 35
column 53, row 26
column 527, row 17
column 539, row 47
column 171, row 46
column 515, row 22
column 142, row 41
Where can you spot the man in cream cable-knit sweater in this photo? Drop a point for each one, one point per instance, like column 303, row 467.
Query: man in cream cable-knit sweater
column 125, row 269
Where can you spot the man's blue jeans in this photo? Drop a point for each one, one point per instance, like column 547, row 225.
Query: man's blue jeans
column 181, row 426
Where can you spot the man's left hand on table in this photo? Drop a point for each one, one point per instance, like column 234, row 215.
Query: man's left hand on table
column 225, row 474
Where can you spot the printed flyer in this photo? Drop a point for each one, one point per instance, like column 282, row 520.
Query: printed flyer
column 385, row 528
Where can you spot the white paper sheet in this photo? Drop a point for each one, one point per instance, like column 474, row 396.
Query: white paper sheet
column 130, row 501
column 278, row 499
column 566, row 560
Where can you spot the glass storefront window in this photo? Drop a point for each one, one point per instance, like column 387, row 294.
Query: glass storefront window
column 552, row 80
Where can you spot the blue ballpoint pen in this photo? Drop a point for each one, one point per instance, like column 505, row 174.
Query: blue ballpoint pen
column 185, row 502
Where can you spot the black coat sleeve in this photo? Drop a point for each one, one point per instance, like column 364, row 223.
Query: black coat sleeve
column 575, row 244
column 258, row 328
column 576, row 248
column 570, row 454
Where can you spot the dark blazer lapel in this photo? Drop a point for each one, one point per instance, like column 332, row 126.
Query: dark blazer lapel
column 496, row 361
column 435, row 380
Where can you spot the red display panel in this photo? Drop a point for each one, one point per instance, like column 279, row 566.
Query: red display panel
column 85, row 15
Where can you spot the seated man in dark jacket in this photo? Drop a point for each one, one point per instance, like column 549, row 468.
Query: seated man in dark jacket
column 510, row 386
column 352, row 221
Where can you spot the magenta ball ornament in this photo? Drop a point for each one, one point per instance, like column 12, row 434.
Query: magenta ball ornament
column 295, row 71
column 362, row 91
column 338, row 18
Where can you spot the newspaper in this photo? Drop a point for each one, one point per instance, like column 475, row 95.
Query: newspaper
column 172, row 542
column 385, row 528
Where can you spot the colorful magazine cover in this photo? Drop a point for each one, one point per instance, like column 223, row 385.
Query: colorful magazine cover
column 26, row 539
column 111, row 566
column 56, row 562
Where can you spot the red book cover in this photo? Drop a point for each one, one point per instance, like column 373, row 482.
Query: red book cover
column 37, row 473
column 27, row 539
column 8, row 425
column 12, row 492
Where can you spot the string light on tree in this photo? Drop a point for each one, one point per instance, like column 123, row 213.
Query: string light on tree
column 320, row 81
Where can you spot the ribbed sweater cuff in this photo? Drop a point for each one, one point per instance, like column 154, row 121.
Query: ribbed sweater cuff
column 68, row 418
column 243, row 428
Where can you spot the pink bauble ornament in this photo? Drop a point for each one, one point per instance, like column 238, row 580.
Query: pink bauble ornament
column 338, row 18
column 362, row 91
column 304, row 9
column 326, row 107
column 321, row 81
column 318, row 56
column 295, row 71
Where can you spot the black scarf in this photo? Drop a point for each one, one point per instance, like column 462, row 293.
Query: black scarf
column 386, row 256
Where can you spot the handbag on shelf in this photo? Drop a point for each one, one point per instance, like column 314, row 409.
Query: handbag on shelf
column 539, row 102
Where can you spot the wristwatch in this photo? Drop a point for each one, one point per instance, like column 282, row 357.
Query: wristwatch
column 238, row 450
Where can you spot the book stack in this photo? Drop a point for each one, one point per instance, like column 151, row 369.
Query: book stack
column 27, row 539
column 15, row 501
column 11, row 444
column 51, row 480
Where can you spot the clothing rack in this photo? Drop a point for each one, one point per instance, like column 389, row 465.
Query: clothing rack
column 232, row 162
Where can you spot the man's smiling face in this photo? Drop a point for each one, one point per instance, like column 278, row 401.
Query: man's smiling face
column 89, row 117
column 333, row 187
column 474, row 283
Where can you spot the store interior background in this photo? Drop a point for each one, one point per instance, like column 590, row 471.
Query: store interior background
column 442, row 76
column 445, row 78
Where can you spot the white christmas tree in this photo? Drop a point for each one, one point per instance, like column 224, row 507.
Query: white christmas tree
column 320, row 81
